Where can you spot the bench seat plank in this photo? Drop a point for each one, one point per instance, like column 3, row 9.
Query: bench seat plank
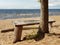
column 23, row 23
column 30, row 22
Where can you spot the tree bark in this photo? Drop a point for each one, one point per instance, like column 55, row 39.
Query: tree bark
column 44, row 16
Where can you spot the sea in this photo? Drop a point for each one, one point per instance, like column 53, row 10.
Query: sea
column 24, row 13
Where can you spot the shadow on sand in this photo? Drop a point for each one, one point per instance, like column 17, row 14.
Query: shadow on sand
column 56, row 26
column 51, row 34
column 54, row 34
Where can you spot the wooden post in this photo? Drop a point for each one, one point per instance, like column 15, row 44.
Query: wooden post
column 44, row 16
column 17, row 33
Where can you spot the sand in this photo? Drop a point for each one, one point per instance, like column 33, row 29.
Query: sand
column 6, row 38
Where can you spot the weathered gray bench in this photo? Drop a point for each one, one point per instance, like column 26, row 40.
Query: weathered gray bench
column 19, row 26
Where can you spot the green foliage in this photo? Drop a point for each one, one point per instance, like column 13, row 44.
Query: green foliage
column 30, row 36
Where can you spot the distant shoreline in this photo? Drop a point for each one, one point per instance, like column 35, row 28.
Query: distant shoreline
column 29, row 17
column 2, row 17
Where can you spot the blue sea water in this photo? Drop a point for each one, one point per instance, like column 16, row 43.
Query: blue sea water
column 25, row 10
column 24, row 13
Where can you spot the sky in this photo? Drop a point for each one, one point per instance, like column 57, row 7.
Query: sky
column 27, row 4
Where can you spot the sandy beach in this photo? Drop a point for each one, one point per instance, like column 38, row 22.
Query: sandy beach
column 6, row 38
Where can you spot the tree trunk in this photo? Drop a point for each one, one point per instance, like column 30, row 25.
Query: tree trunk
column 44, row 16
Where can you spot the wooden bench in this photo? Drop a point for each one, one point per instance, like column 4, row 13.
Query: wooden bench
column 19, row 26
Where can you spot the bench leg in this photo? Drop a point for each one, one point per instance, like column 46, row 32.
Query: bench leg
column 17, row 33
column 51, row 24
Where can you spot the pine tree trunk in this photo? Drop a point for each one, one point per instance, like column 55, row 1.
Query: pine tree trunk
column 44, row 16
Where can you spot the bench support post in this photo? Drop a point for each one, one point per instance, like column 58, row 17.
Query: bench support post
column 51, row 24
column 17, row 33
